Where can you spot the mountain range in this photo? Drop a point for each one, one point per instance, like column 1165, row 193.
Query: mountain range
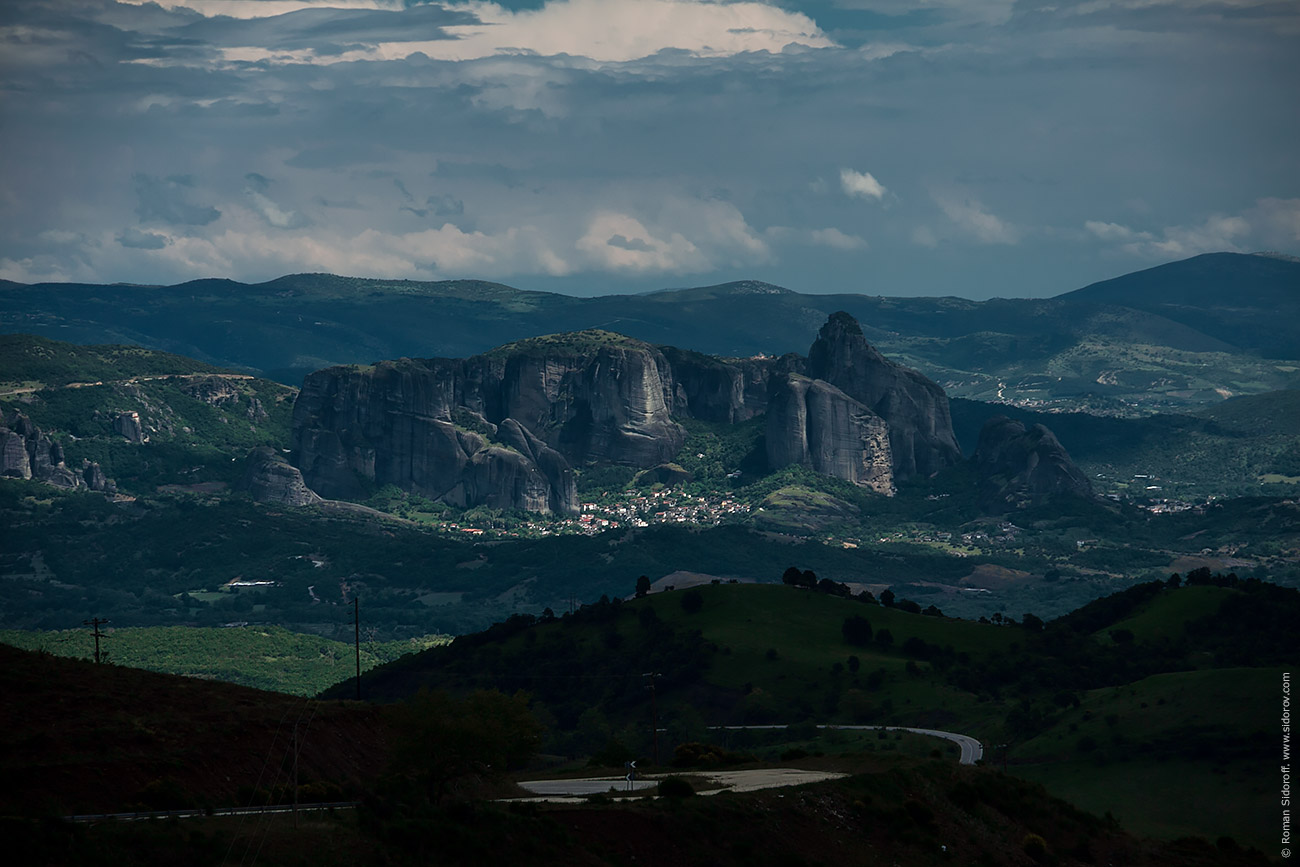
column 1189, row 332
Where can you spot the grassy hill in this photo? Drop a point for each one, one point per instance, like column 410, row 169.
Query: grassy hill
column 83, row 737
column 263, row 657
column 80, row 737
column 1187, row 689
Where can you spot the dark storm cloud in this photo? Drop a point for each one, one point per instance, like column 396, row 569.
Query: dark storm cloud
column 138, row 240
column 1016, row 143
column 327, row 30
column 165, row 200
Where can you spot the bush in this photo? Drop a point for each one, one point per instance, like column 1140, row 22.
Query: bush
column 676, row 788
column 1035, row 846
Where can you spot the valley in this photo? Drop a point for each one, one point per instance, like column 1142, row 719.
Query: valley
column 816, row 541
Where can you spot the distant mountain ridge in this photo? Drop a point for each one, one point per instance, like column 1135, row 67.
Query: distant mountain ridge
column 1181, row 334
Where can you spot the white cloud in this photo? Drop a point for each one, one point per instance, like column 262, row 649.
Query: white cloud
column 610, row 31
column 828, row 237
column 968, row 215
column 264, row 8
column 690, row 236
column 861, row 184
column 1217, row 233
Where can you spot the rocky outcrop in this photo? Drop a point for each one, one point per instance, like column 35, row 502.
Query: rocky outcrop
column 921, row 438
column 407, row 423
column 128, row 425
column 716, row 389
column 500, row 429
column 93, row 477
column 1023, row 467
column 27, row 453
column 814, row 424
column 851, row 413
column 269, row 478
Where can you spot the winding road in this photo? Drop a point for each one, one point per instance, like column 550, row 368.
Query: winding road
column 742, row 781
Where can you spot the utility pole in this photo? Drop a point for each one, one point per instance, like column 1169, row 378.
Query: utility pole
column 295, row 775
column 356, row 624
column 96, row 623
column 654, row 714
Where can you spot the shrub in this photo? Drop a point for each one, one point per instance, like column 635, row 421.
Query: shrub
column 1035, row 846
column 675, row 787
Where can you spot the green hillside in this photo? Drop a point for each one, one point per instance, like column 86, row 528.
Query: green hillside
column 1243, row 446
column 199, row 421
column 264, row 657
column 27, row 361
column 1175, row 678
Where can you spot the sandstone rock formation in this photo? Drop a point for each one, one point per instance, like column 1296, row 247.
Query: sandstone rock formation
column 26, row 453
column 426, row 426
column 717, row 389
column 814, row 424
column 1021, row 468
column 128, row 425
column 269, row 478
column 915, row 408
column 850, row 412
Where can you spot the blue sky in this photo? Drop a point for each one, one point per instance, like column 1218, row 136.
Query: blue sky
column 946, row 147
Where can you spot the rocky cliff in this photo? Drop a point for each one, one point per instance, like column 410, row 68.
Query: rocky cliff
column 1023, row 467
column 500, row 429
column 27, row 453
column 812, row 423
column 850, row 412
column 269, row 478
column 915, row 408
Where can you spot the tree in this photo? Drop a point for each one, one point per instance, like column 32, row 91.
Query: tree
column 809, row 578
column 1032, row 623
column 856, row 630
column 792, row 576
column 642, row 586
column 887, row 598
column 885, row 638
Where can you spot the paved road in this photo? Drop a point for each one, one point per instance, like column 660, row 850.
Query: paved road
column 588, row 786
column 971, row 750
column 729, row 781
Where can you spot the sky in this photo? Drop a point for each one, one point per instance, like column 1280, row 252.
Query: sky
column 977, row 148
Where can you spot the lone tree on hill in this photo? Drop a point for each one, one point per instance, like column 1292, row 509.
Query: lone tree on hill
column 642, row 586
column 856, row 630
column 887, row 598
column 795, row 578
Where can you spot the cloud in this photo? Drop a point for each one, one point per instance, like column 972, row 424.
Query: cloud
column 861, row 185
column 972, row 219
column 690, row 236
column 610, row 31
column 163, row 200
column 139, row 240
column 1217, row 233
column 827, row 237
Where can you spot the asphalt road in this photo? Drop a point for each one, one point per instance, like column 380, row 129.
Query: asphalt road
column 971, row 750
column 728, row 781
